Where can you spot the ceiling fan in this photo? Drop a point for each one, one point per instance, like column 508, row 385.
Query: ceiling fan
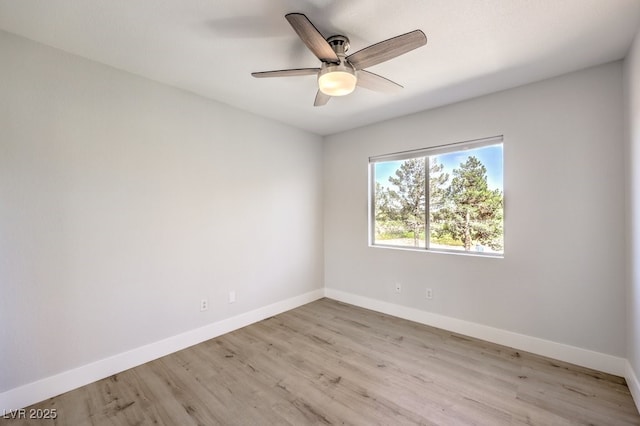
column 339, row 74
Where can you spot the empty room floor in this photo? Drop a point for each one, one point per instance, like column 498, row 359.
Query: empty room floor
column 332, row 363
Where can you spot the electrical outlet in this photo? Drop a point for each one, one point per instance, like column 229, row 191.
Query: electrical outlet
column 429, row 294
column 232, row 297
column 204, row 304
column 398, row 287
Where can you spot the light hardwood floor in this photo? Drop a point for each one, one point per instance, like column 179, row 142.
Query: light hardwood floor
column 333, row 363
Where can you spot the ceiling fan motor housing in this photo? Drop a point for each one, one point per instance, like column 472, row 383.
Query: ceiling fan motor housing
column 339, row 44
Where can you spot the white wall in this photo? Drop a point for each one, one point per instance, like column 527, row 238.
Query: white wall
column 562, row 276
column 632, row 105
column 123, row 202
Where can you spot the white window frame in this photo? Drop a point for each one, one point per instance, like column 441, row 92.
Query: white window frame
column 426, row 152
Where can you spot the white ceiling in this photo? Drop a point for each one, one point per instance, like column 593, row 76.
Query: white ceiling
column 211, row 47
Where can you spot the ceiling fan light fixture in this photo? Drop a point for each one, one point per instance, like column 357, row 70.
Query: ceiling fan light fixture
column 339, row 74
column 339, row 80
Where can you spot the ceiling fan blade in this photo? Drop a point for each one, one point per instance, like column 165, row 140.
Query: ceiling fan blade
column 376, row 82
column 321, row 99
column 286, row 73
column 310, row 35
column 388, row 49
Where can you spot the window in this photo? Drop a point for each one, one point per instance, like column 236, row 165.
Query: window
column 447, row 198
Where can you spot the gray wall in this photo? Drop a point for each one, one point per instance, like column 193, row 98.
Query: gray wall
column 562, row 277
column 123, row 202
column 632, row 93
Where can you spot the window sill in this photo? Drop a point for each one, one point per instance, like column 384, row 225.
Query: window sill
column 441, row 251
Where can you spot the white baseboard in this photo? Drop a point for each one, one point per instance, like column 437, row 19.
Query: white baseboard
column 633, row 384
column 574, row 355
column 48, row 387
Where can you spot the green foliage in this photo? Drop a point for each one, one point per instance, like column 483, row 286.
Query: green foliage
column 446, row 240
column 472, row 212
column 437, row 182
column 407, row 198
column 463, row 212
column 390, row 229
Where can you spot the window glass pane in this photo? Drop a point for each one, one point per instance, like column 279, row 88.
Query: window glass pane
column 466, row 200
column 453, row 194
column 399, row 203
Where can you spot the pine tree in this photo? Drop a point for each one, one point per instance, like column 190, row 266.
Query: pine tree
column 384, row 208
column 404, row 201
column 472, row 212
column 437, row 194
column 408, row 195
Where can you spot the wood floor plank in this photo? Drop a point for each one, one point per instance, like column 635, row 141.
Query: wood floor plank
column 332, row 363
